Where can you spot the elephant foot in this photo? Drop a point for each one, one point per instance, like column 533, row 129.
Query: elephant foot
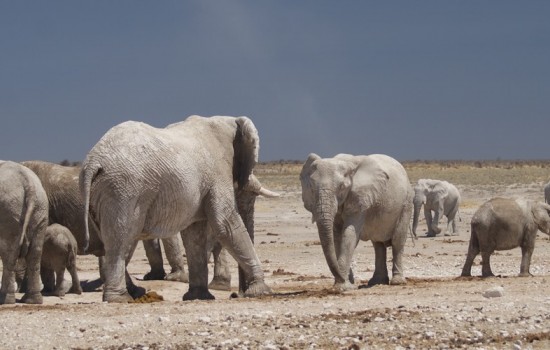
column 198, row 293
column 342, row 287
column 487, row 274
column 58, row 293
column 75, row 289
column 220, row 284
column 177, row 276
column 135, row 291
column 378, row 280
column 398, row 280
column 466, row 274
column 113, row 297
column 430, row 234
column 7, row 298
column 32, row 298
column 154, row 276
column 447, row 234
column 257, row 288
column 525, row 274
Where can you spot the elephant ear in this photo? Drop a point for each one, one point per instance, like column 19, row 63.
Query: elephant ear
column 310, row 159
column 246, row 146
column 541, row 216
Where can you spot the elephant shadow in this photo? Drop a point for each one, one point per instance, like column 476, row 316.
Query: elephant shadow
column 91, row 285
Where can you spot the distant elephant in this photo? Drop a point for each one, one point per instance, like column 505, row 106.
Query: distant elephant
column 59, row 252
column 358, row 197
column 442, row 198
column 222, row 276
column 66, row 208
column 547, row 193
column 141, row 182
column 502, row 224
column 23, row 222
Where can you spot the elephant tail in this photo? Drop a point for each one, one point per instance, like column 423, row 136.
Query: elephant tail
column 87, row 174
column 24, row 242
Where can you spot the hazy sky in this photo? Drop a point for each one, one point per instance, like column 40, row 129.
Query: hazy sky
column 411, row 79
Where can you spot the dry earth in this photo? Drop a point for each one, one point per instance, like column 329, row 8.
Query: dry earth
column 434, row 310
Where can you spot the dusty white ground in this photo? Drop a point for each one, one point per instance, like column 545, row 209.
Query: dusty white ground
column 434, row 310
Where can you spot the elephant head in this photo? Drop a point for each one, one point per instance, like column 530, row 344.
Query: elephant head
column 325, row 186
column 541, row 216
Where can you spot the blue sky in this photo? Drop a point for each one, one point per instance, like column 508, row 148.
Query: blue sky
column 411, row 79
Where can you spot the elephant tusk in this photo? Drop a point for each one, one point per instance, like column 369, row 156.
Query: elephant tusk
column 267, row 193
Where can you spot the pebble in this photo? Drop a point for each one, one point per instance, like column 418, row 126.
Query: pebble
column 495, row 292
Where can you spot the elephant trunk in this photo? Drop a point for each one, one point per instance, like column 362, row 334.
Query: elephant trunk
column 325, row 212
column 416, row 214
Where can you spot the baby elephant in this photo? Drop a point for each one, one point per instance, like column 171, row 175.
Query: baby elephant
column 502, row 224
column 59, row 252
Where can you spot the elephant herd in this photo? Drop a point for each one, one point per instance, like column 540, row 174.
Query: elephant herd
column 196, row 178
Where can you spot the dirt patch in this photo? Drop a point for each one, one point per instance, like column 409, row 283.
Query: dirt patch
column 435, row 309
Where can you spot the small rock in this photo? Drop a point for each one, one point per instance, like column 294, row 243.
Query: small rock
column 495, row 292
column 429, row 334
column 205, row 319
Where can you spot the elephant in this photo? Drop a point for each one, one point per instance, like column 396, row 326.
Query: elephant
column 141, row 182
column 441, row 197
column 222, row 275
column 23, row 222
column 547, row 193
column 59, row 252
column 358, row 197
column 66, row 208
column 503, row 224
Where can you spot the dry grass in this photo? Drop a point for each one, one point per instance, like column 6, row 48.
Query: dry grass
column 282, row 175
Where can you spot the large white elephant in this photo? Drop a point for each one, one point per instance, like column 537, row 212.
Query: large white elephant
column 23, row 223
column 221, row 280
column 358, row 197
column 441, row 197
column 141, row 182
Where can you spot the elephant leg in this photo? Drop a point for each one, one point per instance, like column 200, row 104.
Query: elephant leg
column 8, row 288
column 194, row 240
column 33, row 260
column 526, row 254
column 114, row 268
column 134, row 290
column 473, row 251
column 435, row 222
column 429, row 220
column 174, row 253
column 222, row 274
column 71, row 266
column 154, row 256
column 48, row 279
column 451, row 223
column 380, row 275
column 232, row 233
column 398, row 247
column 118, row 284
column 345, row 241
column 59, row 279
column 486, row 264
